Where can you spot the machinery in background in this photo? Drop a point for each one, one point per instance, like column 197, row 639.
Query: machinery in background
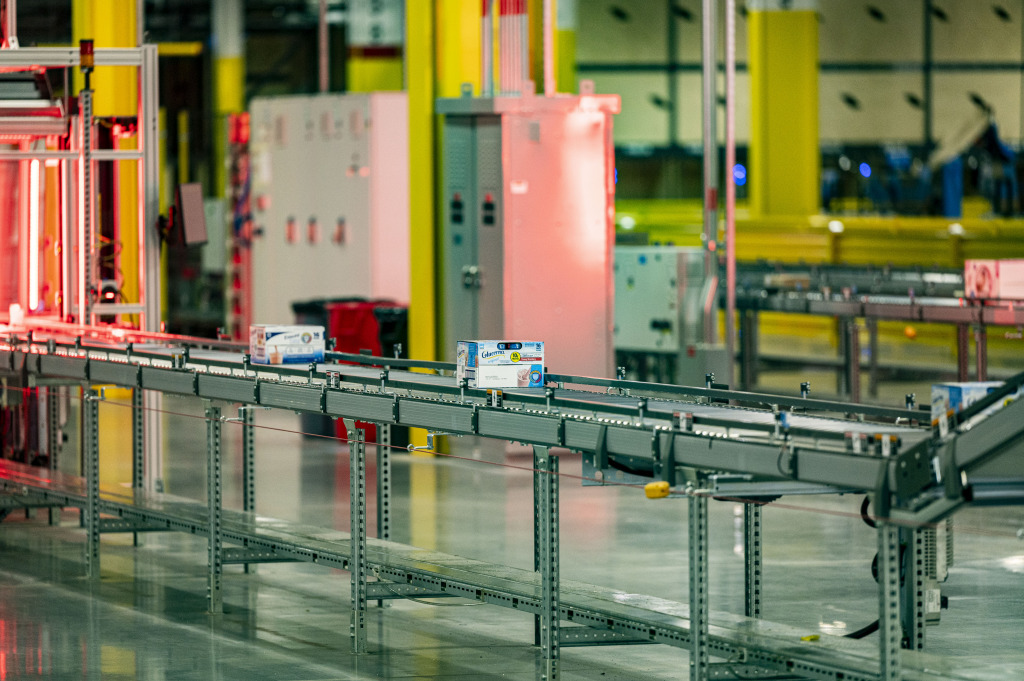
column 72, row 250
column 659, row 316
column 527, row 235
column 329, row 200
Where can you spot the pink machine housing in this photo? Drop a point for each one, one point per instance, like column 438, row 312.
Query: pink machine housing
column 528, row 229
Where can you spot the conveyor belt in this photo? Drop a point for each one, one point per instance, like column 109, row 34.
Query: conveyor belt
column 625, row 419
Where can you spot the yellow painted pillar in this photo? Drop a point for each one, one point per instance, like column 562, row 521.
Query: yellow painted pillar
column 565, row 46
column 228, row 82
column 458, row 46
column 783, row 66
column 420, row 84
column 374, row 69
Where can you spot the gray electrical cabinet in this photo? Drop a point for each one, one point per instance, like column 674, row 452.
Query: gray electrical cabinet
column 473, row 229
column 660, row 293
column 528, row 225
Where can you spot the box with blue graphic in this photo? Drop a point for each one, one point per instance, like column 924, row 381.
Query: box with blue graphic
column 285, row 344
column 500, row 364
column 956, row 397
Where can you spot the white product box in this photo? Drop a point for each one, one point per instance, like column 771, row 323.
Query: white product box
column 956, row 397
column 994, row 279
column 283, row 344
column 500, row 364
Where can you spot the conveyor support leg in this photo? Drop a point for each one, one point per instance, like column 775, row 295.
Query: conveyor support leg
column 214, row 499
column 912, row 606
column 138, row 447
column 357, row 497
column 91, row 451
column 383, row 484
column 752, row 558
column 698, row 537
column 890, row 629
column 54, row 438
column 245, row 413
column 981, row 351
column 963, row 357
column 546, row 512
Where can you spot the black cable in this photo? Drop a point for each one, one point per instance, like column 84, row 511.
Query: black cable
column 864, row 513
column 864, row 631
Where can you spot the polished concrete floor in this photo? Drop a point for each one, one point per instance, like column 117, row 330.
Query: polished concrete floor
column 146, row 617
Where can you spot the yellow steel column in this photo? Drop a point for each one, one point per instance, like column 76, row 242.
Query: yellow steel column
column 565, row 45
column 458, row 46
column 228, row 81
column 419, row 77
column 783, row 65
column 370, row 69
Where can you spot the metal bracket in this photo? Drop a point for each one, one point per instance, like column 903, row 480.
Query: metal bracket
column 385, row 590
column 601, row 448
column 244, row 556
column 122, row 525
column 578, row 637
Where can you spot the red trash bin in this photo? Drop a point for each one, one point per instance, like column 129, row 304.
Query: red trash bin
column 353, row 326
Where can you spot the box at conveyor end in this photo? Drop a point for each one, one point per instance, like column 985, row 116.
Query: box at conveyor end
column 500, row 364
column 999, row 279
column 286, row 344
column 955, row 397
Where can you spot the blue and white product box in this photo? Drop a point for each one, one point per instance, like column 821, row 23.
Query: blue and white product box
column 283, row 344
column 500, row 364
column 956, row 397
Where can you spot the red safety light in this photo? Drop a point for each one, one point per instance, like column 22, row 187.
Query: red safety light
column 86, row 55
column 239, row 128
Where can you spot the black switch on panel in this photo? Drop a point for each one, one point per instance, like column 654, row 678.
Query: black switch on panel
column 457, row 207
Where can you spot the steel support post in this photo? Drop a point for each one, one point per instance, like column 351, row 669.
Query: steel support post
column 872, row 325
column 890, row 629
column 963, row 357
column 245, row 414
column 748, row 349
column 709, row 119
column 547, row 514
column 912, row 587
column 91, row 455
column 214, row 499
column 698, row 538
column 87, row 259
column 981, row 351
column 853, row 359
column 383, row 485
column 138, row 447
column 357, row 498
column 949, row 542
column 53, row 442
column 752, row 552
column 383, row 481
column 248, row 459
column 843, row 374
column 537, row 514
